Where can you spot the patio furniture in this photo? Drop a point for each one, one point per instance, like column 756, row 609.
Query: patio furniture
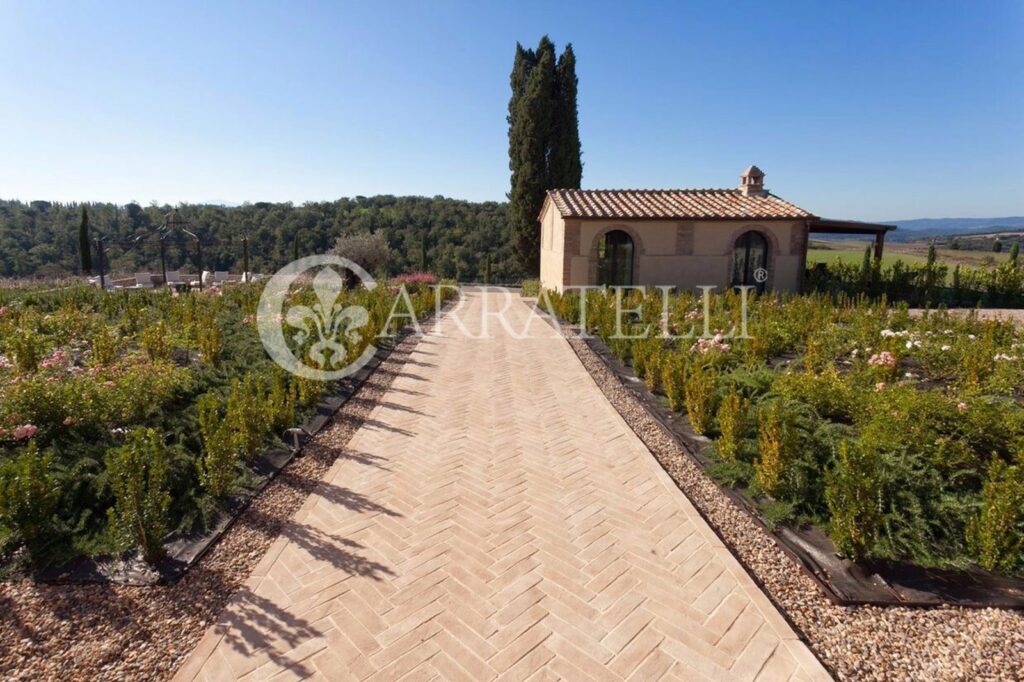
column 143, row 280
column 221, row 277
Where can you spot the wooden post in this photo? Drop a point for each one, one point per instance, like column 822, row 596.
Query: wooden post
column 163, row 260
column 879, row 243
column 199, row 262
column 99, row 249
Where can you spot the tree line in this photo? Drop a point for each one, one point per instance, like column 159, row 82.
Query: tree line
column 450, row 237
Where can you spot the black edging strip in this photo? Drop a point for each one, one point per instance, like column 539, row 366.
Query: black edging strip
column 843, row 582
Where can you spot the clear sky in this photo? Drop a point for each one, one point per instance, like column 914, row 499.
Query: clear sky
column 865, row 110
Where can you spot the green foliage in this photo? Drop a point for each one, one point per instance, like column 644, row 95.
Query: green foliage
column 837, row 429
column 281, row 402
column 732, row 422
column 41, row 238
column 852, row 493
column 531, row 288
column 673, row 381
column 647, row 360
column 544, row 146
column 699, row 396
column 105, row 347
column 218, row 464
column 996, row 535
column 825, row 392
column 84, row 244
column 776, row 444
column 29, row 495
column 211, row 343
column 246, row 415
column 25, row 347
column 156, row 342
column 138, row 473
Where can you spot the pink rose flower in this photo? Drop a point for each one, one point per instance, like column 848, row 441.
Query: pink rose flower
column 25, row 431
column 961, row 407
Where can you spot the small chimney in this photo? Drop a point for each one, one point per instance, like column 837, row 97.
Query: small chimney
column 752, row 183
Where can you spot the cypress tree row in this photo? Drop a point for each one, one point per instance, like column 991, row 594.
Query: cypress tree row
column 544, row 141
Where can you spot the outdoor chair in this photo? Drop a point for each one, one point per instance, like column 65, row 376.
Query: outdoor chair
column 143, row 280
column 221, row 277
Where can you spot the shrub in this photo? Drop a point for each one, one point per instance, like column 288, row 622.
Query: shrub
column 211, row 344
column 369, row 250
column 29, row 495
column 218, row 463
column 246, row 415
column 104, row 346
column 155, row 342
column 531, row 288
column 699, row 396
column 673, row 378
column 281, row 402
column 776, row 443
column 647, row 360
column 26, row 348
column 732, row 417
column 995, row 536
column 138, row 475
column 852, row 491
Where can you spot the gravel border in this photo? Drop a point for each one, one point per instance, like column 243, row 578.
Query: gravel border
column 854, row 642
column 122, row 632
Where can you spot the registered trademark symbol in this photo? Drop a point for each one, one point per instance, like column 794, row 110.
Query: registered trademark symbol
column 760, row 275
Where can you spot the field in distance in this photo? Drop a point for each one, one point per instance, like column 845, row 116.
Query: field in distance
column 852, row 251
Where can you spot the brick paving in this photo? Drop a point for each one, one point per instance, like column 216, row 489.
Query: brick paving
column 496, row 518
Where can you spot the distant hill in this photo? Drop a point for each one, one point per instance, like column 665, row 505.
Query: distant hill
column 958, row 224
column 921, row 228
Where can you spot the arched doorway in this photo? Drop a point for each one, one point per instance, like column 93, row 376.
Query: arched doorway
column 615, row 259
column 750, row 260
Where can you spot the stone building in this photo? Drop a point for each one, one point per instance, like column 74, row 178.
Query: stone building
column 682, row 237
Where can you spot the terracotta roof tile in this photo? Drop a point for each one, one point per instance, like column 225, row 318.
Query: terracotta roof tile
column 670, row 204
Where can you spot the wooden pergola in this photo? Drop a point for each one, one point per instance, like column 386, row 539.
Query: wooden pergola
column 828, row 226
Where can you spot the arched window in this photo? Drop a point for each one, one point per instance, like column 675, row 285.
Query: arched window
column 615, row 259
column 750, row 260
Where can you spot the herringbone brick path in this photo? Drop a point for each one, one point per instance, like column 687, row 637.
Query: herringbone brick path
column 496, row 518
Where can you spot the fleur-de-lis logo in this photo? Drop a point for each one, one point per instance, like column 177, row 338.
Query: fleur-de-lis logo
column 322, row 332
column 335, row 326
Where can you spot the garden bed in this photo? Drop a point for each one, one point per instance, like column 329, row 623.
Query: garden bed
column 848, row 428
column 855, row 642
column 183, row 552
column 140, row 424
column 843, row 581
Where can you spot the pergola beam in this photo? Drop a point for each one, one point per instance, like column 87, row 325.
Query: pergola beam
column 827, row 226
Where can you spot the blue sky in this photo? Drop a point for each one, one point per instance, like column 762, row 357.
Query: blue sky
column 856, row 110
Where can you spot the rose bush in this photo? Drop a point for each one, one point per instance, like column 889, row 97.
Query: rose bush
column 900, row 435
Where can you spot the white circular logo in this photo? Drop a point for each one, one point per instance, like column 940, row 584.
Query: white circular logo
column 322, row 332
column 760, row 275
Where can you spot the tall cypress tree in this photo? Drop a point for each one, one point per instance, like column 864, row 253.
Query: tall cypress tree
column 544, row 146
column 565, row 164
column 529, row 138
column 84, row 248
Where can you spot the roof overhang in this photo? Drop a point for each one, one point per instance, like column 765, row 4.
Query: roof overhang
column 828, row 226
